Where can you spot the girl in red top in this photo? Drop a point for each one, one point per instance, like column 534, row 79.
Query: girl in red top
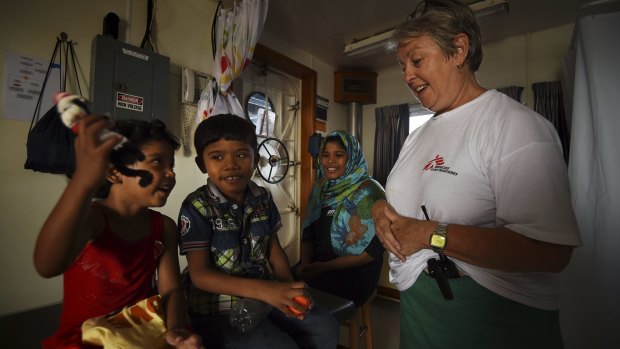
column 110, row 249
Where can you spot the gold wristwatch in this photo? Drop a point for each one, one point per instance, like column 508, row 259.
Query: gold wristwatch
column 439, row 238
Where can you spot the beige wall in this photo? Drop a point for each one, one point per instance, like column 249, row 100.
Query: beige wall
column 29, row 27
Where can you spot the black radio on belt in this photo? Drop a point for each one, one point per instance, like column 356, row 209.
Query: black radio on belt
column 441, row 269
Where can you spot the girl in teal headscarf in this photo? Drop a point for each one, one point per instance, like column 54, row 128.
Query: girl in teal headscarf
column 339, row 247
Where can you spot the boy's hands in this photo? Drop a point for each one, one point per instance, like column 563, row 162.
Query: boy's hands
column 183, row 339
column 281, row 296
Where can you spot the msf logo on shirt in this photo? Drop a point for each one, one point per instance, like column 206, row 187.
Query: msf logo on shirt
column 437, row 161
column 438, row 165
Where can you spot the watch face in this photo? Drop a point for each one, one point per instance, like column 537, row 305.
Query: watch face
column 438, row 241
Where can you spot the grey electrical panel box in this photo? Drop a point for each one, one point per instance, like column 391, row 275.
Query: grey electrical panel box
column 128, row 82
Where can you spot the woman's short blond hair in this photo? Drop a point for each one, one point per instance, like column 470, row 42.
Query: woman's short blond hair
column 443, row 20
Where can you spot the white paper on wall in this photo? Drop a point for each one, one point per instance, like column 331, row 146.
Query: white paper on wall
column 22, row 82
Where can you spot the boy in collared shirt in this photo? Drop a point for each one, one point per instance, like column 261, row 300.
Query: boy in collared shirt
column 228, row 232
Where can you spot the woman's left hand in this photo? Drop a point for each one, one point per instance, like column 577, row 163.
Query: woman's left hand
column 310, row 270
column 383, row 225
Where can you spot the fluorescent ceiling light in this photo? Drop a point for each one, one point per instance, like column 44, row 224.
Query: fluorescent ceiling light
column 378, row 42
column 489, row 7
column 368, row 45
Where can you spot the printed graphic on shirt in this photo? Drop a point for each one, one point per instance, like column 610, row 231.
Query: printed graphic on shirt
column 357, row 230
column 438, row 165
column 225, row 224
column 330, row 212
column 260, row 213
column 185, row 225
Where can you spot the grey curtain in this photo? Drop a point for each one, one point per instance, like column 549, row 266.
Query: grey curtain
column 549, row 103
column 391, row 130
column 513, row 92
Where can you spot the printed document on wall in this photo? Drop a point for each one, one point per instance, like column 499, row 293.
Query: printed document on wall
column 22, row 82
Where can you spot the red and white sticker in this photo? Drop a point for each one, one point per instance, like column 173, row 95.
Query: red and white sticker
column 131, row 102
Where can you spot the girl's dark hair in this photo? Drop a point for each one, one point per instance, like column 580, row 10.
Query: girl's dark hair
column 229, row 127
column 139, row 133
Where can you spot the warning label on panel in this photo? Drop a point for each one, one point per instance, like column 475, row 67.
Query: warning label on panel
column 130, row 102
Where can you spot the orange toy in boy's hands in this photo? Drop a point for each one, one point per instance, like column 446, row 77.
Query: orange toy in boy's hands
column 305, row 301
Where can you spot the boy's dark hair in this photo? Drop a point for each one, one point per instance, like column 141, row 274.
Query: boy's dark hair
column 229, row 127
column 138, row 133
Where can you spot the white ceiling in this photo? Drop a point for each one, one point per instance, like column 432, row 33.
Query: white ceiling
column 324, row 27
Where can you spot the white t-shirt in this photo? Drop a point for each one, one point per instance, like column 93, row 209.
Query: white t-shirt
column 492, row 162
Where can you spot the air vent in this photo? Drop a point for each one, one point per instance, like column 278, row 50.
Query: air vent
column 355, row 86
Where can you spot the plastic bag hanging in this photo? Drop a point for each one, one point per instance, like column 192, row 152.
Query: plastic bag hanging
column 235, row 35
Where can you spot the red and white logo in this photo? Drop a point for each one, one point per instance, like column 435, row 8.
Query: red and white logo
column 438, row 165
column 437, row 161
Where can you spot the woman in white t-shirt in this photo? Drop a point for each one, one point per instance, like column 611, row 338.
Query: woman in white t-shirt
column 478, row 218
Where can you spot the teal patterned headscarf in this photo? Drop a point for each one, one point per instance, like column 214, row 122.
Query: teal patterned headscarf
column 353, row 195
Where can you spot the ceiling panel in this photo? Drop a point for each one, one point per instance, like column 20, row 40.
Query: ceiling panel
column 324, row 27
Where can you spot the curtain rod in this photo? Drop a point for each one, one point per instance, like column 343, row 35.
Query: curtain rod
column 598, row 7
column 592, row 8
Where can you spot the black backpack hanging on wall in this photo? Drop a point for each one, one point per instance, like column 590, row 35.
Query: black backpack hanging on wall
column 50, row 145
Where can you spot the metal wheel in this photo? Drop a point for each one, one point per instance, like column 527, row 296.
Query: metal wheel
column 274, row 161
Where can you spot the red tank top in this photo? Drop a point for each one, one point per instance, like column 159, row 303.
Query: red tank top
column 109, row 273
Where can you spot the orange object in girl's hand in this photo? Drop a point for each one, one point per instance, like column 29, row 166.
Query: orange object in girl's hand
column 300, row 300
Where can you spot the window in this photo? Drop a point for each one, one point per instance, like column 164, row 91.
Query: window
column 255, row 112
column 418, row 115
